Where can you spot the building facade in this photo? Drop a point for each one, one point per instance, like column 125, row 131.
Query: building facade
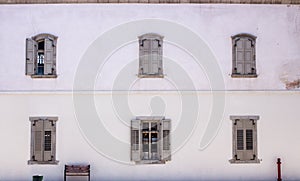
column 150, row 91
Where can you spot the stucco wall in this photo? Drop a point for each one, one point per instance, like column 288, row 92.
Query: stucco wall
column 80, row 27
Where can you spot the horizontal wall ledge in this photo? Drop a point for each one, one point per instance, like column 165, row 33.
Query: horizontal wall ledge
column 151, row 1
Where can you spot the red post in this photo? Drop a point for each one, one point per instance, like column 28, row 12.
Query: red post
column 279, row 169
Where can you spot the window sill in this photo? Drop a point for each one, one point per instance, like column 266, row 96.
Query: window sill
column 151, row 76
column 244, row 75
column 150, row 162
column 43, row 76
column 244, row 161
column 31, row 162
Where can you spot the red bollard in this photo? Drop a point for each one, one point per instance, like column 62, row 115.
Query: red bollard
column 279, row 169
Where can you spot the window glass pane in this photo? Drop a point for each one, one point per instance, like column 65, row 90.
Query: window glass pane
column 154, row 140
column 240, row 140
column 145, row 126
column 153, row 126
column 145, row 142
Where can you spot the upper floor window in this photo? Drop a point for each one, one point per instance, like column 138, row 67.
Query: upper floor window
column 244, row 139
column 243, row 56
column 150, row 55
column 41, row 56
column 150, row 140
column 43, row 140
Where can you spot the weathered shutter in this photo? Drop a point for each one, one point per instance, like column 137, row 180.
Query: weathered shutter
column 166, row 139
column 145, row 56
column 249, row 133
column 155, row 58
column 135, row 140
column 49, row 140
column 49, row 56
column 249, row 64
column 239, row 136
column 31, row 55
column 37, row 140
column 239, row 56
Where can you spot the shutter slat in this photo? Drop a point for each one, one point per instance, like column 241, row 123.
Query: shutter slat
column 31, row 55
column 166, row 139
column 135, row 140
column 49, row 57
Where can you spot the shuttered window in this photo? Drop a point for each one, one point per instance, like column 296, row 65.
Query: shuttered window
column 244, row 142
column 150, row 140
column 243, row 56
column 43, row 140
column 150, row 56
column 41, row 56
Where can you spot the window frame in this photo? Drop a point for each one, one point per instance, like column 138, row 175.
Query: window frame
column 35, row 40
column 234, row 73
column 142, row 50
column 33, row 122
column 163, row 151
column 236, row 146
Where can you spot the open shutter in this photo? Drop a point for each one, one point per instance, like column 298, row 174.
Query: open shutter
column 37, row 140
column 31, row 55
column 49, row 140
column 49, row 57
column 135, row 140
column 166, row 139
column 249, row 56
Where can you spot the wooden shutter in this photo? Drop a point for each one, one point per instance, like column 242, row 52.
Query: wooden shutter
column 37, row 140
column 49, row 140
column 249, row 64
column 49, row 56
column 166, row 139
column 31, row 55
column 249, row 139
column 239, row 56
column 239, row 139
column 155, row 58
column 145, row 65
column 135, row 140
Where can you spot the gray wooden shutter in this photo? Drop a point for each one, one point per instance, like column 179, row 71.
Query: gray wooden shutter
column 239, row 140
column 49, row 140
column 166, row 139
column 155, row 58
column 239, row 56
column 249, row 139
column 249, row 64
column 49, row 56
column 31, row 55
column 145, row 56
column 37, row 140
column 135, row 140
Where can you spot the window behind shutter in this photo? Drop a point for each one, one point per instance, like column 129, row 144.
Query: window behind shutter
column 37, row 140
column 166, row 139
column 31, row 55
column 49, row 56
column 135, row 140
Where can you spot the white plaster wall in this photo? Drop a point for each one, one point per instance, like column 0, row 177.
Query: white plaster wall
column 77, row 26
column 277, row 137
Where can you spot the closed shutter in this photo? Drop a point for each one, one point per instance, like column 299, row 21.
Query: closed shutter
column 249, row 136
column 49, row 56
column 31, row 55
column 49, row 140
column 239, row 56
column 239, row 136
column 135, row 140
column 155, row 58
column 166, row 140
column 37, row 140
column 145, row 58
column 249, row 56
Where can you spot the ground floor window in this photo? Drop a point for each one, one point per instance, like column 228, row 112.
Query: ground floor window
column 150, row 140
